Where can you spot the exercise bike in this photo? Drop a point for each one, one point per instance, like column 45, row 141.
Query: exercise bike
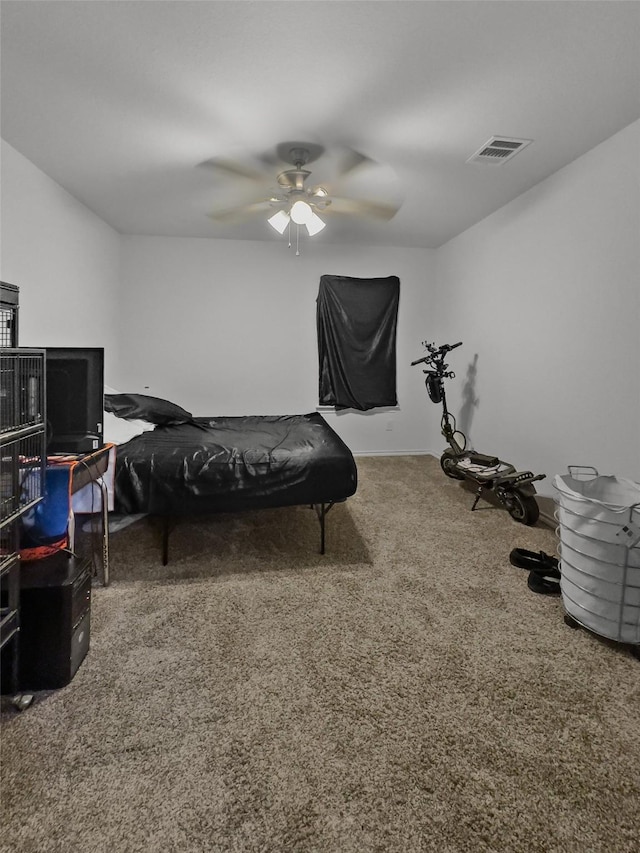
column 514, row 489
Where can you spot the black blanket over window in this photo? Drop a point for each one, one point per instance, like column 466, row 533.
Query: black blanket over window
column 357, row 320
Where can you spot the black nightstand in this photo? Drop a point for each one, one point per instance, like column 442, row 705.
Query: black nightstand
column 55, row 616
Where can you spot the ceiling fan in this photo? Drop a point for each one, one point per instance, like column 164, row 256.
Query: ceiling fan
column 356, row 186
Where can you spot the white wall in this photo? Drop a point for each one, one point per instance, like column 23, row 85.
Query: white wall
column 229, row 328
column 63, row 257
column 546, row 293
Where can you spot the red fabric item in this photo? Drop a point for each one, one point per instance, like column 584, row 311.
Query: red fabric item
column 42, row 551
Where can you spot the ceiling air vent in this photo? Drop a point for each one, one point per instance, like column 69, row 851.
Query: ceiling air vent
column 498, row 150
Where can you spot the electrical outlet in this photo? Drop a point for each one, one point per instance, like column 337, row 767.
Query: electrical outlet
column 389, row 426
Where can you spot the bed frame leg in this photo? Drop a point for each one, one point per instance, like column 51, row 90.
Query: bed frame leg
column 321, row 512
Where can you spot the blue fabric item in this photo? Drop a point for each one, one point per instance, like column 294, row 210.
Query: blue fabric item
column 48, row 520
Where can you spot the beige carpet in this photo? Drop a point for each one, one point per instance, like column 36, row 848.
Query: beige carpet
column 405, row 692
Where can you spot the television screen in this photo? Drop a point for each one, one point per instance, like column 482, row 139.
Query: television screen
column 75, row 383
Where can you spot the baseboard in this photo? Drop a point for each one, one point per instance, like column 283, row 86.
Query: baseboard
column 547, row 509
column 331, row 410
column 394, row 453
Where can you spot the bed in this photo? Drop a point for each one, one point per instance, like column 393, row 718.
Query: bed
column 190, row 465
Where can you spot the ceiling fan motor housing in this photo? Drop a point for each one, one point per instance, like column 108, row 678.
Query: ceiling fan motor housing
column 293, row 178
column 299, row 156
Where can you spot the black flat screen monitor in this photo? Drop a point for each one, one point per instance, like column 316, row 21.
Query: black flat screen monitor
column 75, row 405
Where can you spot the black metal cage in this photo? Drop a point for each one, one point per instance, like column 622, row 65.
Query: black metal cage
column 9, row 296
column 22, row 434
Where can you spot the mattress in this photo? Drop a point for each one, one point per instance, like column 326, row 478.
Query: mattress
column 228, row 464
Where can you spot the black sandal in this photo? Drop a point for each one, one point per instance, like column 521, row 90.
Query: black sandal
column 539, row 563
column 542, row 584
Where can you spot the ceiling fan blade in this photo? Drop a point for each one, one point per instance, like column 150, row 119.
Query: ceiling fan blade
column 368, row 208
column 350, row 160
column 235, row 168
column 357, row 186
column 243, row 212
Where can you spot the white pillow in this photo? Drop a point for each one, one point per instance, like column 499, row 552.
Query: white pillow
column 119, row 430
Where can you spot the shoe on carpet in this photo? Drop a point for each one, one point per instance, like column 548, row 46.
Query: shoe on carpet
column 541, row 563
column 543, row 585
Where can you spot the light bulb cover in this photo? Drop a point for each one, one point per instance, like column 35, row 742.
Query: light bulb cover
column 315, row 224
column 300, row 212
column 279, row 221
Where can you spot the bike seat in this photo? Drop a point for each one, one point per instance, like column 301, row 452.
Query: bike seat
column 482, row 471
column 482, row 459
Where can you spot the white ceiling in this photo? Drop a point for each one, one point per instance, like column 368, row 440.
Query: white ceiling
column 121, row 102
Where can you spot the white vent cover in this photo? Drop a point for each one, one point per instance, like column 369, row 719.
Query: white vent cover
column 498, row 150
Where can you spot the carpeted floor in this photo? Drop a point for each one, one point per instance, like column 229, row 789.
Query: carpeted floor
column 405, row 692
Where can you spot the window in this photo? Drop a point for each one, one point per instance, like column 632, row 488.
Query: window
column 357, row 320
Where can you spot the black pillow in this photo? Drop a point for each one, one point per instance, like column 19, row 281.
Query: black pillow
column 145, row 408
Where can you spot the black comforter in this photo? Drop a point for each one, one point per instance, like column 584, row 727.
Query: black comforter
column 228, row 464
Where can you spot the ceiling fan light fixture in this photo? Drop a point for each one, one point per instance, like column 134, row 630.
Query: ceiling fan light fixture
column 315, row 224
column 301, row 212
column 292, row 201
column 279, row 221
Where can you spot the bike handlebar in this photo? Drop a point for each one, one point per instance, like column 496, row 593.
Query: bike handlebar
column 435, row 353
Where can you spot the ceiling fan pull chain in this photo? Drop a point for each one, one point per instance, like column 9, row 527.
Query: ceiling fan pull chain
column 297, row 240
column 289, row 232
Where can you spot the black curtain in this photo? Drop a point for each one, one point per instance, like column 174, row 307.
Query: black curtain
column 357, row 320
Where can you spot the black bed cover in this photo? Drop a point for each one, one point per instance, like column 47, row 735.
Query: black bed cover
column 226, row 464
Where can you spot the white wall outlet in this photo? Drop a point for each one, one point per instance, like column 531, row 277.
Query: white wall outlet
column 389, row 426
